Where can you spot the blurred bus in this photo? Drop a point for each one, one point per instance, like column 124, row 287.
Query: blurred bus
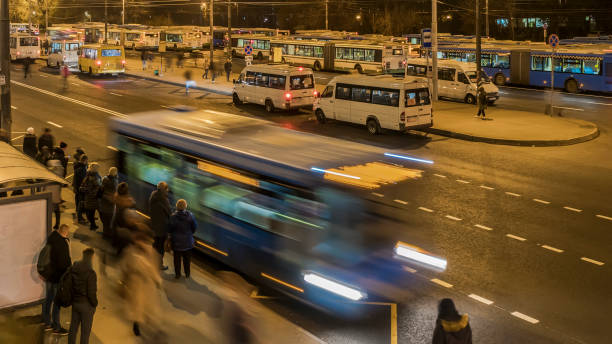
column 30, row 28
column 260, row 45
column 102, row 59
column 64, row 52
column 179, row 38
column 24, row 45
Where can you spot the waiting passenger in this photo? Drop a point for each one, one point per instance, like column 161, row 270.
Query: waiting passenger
column 84, row 297
column 450, row 326
column 181, row 228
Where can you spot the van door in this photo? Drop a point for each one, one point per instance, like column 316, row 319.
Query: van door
column 326, row 101
column 248, row 86
column 462, row 85
column 342, row 102
column 446, row 78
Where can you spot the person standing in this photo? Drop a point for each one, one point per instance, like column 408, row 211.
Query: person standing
column 80, row 172
column 451, row 328
column 59, row 262
column 159, row 210
column 228, row 69
column 121, row 224
column 143, row 59
column 206, row 66
column 107, row 201
column 46, row 140
column 181, row 228
column 26, row 67
column 59, row 153
column 43, row 155
column 91, row 188
column 211, row 68
column 482, row 102
column 84, row 297
column 29, row 143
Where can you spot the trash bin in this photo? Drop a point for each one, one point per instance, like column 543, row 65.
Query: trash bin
column 156, row 72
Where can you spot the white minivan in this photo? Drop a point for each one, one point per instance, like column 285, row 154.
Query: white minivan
column 378, row 102
column 64, row 52
column 275, row 87
column 456, row 80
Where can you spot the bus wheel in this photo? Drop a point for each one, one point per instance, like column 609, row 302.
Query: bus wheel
column 316, row 66
column 373, row 127
column 571, row 86
column 500, row 79
column 320, row 116
column 236, row 99
column 269, row 106
column 359, row 69
column 259, row 56
column 470, row 99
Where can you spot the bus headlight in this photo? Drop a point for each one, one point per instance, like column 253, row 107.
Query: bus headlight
column 333, row 286
column 419, row 255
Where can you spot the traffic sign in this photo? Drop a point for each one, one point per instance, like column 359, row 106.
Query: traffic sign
column 248, row 59
column 248, row 50
column 553, row 40
column 426, row 38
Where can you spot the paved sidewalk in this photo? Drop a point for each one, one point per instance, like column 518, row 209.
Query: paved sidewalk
column 192, row 310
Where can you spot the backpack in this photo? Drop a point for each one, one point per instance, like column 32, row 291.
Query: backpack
column 64, row 289
column 43, row 265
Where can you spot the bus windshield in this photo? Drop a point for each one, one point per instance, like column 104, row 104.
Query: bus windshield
column 299, row 82
column 111, row 52
column 417, row 97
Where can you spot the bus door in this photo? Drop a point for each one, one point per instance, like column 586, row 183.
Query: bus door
column 329, row 52
column 520, row 65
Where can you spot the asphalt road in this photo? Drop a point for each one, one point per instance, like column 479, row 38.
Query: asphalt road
column 524, row 229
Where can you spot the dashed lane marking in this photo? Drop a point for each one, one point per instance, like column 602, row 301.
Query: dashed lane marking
column 13, row 107
column 541, row 201
column 453, row 218
column 512, row 236
column 74, row 83
column 17, row 138
column 554, row 249
column 512, row 194
column 527, row 318
column 487, row 187
column 409, row 269
column 43, row 76
column 441, row 282
column 463, row 181
column 484, row 227
column 592, row 261
column 116, row 94
column 55, row 124
column 400, row 201
column 439, row 175
column 573, row 209
column 599, row 103
column 604, row 217
column 426, row 209
column 481, row 299
column 112, row 148
column 378, row 194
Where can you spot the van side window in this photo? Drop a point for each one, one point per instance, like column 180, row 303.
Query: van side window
column 362, row 94
column 250, row 78
column 343, row 92
column 261, row 79
column 446, row 74
column 327, row 92
column 385, row 97
column 462, row 78
column 417, row 97
column 277, row 82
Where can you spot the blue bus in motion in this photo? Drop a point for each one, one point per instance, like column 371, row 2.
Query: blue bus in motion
column 287, row 208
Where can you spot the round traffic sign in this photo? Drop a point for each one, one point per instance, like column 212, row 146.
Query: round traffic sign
column 248, row 50
column 553, row 40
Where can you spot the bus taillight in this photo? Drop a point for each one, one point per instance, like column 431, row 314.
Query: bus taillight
column 99, row 63
column 122, row 61
column 300, row 68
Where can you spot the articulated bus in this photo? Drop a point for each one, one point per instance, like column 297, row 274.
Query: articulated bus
column 23, row 45
column 292, row 210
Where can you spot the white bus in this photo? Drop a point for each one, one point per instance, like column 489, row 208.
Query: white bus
column 378, row 102
column 64, row 52
column 24, row 46
column 275, row 87
column 183, row 38
column 260, row 45
column 456, row 80
column 113, row 36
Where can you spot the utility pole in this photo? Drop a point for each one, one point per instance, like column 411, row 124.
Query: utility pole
column 434, row 48
column 487, row 17
column 229, row 28
column 105, row 22
column 326, row 14
column 122, row 12
column 5, row 67
column 212, row 45
column 478, row 51
column 46, row 18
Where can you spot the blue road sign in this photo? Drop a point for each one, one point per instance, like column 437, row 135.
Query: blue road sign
column 248, row 50
column 553, row 40
column 426, row 38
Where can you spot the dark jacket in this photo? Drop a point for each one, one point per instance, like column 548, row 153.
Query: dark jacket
column 60, row 256
column 453, row 332
column 84, row 284
column 46, row 140
column 123, row 203
column 29, row 145
column 109, row 187
column 181, row 228
column 91, row 187
column 159, row 210
column 59, row 154
column 482, row 98
column 227, row 66
column 80, row 171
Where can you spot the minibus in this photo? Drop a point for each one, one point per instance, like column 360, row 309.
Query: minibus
column 64, row 52
column 275, row 87
column 102, row 59
column 23, row 46
column 378, row 102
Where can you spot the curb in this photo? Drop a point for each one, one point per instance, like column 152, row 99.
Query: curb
column 157, row 79
column 509, row 142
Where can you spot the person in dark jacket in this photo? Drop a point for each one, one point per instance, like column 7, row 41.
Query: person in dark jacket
column 228, row 69
column 107, row 201
column 90, row 188
column 29, row 143
column 43, row 155
column 451, row 327
column 60, row 154
column 80, row 172
column 60, row 262
column 482, row 102
column 181, row 228
column 46, row 139
column 78, row 154
column 121, row 225
column 159, row 210
column 84, row 297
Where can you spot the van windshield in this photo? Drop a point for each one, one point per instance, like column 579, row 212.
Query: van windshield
column 472, row 76
column 417, row 97
column 300, row 82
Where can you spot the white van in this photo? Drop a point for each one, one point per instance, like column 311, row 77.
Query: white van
column 64, row 52
column 24, row 46
column 379, row 102
column 275, row 86
column 456, row 80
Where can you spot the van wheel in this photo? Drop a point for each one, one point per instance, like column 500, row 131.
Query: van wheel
column 320, row 116
column 236, row 99
column 571, row 86
column 500, row 79
column 316, row 66
column 470, row 99
column 373, row 127
column 269, row 106
column 359, row 69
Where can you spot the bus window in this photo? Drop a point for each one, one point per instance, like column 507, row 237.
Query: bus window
column 56, row 47
column 250, row 78
column 592, row 67
column 572, row 66
column 358, row 54
column 261, row 80
column 446, row 74
column 501, row 61
column 111, row 52
column 462, row 78
column 28, row 41
column 13, row 43
column 399, row 52
column 90, row 53
column 299, row 82
column 72, row 46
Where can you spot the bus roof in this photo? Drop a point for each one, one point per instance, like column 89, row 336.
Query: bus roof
column 282, row 69
column 383, row 81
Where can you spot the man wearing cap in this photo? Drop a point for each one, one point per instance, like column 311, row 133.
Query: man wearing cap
column 29, row 143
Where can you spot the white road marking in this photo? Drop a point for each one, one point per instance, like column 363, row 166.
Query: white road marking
column 377, row 194
column 487, row 187
column 569, row 108
column 74, row 83
column 541, row 201
column 55, row 124
column 512, row 194
column 604, row 217
column 512, row 236
column 453, row 218
column 400, row 201
column 44, row 76
column 13, row 107
column 463, row 181
column 484, row 227
column 426, row 209
column 441, row 282
column 593, row 261
column 95, row 107
column 409, row 269
column 599, row 103
column 573, row 209
column 481, row 299
column 116, row 94
column 554, row 249
column 439, row 175
column 525, row 317
column 17, row 138
column 112, row 148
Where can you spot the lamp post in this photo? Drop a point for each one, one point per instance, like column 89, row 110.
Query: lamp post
column 5, row 66
column 434, row 49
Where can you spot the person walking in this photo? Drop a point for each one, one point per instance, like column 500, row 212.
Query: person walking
column 59, row 262
column 121, row 224
column 107, row 201
column 46, row 139
column 159, row 210
column 188, row 82
column 212, row 71
column 451, row 327
column 91, row 188
column 84, row 297
column 143, row 59
column 228, row 69
column 56, row 192
column 206, row 66
column 29, row 143
column 80, row 172
column 181, row 228
column 482, row 102
column 26, row 67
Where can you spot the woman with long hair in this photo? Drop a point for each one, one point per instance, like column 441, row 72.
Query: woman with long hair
column 451, row 327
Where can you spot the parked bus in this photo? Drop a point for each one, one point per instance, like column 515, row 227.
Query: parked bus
column 23, row 45
column 64, row 52
column 378, row 102
column 292, row 210
column 114, row 36
column 183, row 38
column 260, row 45
column 102, row 59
